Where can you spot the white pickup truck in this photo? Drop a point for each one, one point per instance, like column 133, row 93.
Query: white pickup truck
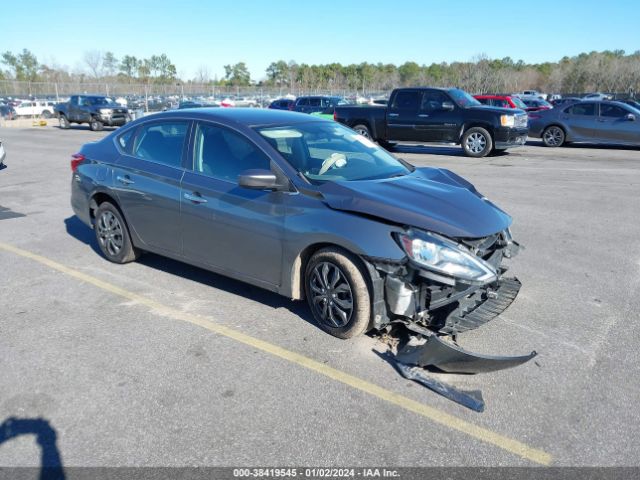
column 36, row 108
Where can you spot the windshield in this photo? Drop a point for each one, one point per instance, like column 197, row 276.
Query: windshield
column 462, row 98
column 102, row 101
column 327, row 151
column 518, row 103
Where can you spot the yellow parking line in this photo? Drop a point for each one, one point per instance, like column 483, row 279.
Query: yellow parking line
column 510, row 445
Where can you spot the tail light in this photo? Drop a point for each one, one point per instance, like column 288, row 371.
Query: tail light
column 76, row 160
column 335, row 116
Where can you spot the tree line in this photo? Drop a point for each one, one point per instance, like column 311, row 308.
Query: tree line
column 608, row 71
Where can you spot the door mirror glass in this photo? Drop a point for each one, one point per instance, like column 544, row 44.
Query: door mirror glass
column 258, row 179
column 448, row 106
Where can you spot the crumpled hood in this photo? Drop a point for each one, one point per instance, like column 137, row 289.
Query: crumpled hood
column 432, row 199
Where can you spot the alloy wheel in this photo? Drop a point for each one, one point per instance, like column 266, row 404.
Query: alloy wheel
column 476, row 142
column 331, row 294
column 553, row 136
column 362, row 131
column 110, row 233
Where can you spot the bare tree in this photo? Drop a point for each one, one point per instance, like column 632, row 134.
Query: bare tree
column 93, row 60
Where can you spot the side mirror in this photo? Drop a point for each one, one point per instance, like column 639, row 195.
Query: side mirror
column 258, row 180
column 447, row 106
column 631, row 117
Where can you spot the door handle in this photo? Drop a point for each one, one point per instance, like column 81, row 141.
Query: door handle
column 393, row 114
column 125, row 180
column 195, row 198
column 423, row 115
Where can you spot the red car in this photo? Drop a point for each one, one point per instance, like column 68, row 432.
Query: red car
column 503, row 101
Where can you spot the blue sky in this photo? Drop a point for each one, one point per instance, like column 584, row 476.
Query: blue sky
column 211, row 34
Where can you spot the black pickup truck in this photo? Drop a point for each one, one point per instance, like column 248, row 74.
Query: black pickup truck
column 448, row 115
column 95, row 110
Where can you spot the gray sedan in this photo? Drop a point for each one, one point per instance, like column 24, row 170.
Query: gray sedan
column 587, row 121
column 303, row 207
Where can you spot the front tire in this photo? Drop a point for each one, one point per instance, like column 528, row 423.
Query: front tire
column 96, row 125
column 553, row 136
column 113, row 236
column 477, row 142
column 337, row 293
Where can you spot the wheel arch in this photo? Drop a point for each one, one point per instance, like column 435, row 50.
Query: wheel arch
column 486, row 125
column 301, row 261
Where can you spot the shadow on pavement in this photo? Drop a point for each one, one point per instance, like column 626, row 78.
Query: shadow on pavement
column 80, row 231
column 50, row 461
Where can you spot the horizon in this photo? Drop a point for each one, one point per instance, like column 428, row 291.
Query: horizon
column 194, row 45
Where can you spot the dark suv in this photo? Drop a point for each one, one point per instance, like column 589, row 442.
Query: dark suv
column 318, row 104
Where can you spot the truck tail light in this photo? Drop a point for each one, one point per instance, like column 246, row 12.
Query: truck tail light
column 335, row 116
column 76, row 160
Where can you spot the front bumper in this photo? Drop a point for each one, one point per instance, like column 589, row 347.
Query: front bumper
column 114, row 120
column 510, row 137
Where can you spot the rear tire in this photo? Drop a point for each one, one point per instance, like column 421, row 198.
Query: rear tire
column 477, row 142
column 113, row 236
column 46, row 114
column 95, row 125
column 553, row 136
column 64, row 123
column 363, row 130
column 337, row 293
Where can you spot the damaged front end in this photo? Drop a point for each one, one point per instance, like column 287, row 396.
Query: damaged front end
column 444, row 288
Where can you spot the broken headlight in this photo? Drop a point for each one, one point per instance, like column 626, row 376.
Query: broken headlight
column 445, row 257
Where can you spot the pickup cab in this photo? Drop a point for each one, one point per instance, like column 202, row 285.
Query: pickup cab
column 445, row 115
column 95, row 110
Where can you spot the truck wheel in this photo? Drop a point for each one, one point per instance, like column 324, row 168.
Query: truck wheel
column 477, row 142
column 337, row 292
column 553, row 136
column 96, row 125
column 362, row 130
column 64, row 123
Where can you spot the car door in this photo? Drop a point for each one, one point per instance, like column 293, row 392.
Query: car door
column 233, row 229
column 147, row 182
column 437, row 120
column 402, row 115
column 614, row 125
column 74, row 108
column 580, row 119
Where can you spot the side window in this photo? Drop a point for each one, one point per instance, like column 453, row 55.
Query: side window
column 74, row 100
column 125, row 140
column 407, row 100
column 303, row 101
column 315, row 101
column 582, row 109
column 161, row 142
column 612, row 111
column 223, row 154
column 498, row 102
column 484, row 101
column 432, row 101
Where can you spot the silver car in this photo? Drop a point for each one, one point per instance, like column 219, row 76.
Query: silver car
column 605, row 122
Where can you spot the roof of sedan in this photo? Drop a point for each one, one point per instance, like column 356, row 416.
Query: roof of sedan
column 245, row 116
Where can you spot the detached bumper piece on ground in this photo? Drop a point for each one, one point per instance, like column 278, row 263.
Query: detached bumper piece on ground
column 422, row 350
